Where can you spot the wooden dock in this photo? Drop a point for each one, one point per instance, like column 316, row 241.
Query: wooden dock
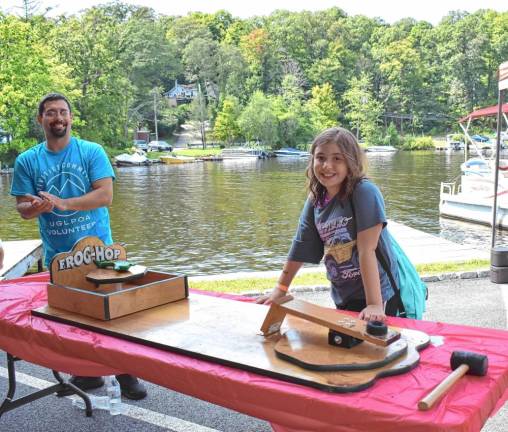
column 20, row 255
column 420, row 247
column 423, row 248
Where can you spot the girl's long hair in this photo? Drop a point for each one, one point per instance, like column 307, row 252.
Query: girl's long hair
column 353, row 155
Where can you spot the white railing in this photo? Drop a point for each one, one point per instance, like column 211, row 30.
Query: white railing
column 448, row 188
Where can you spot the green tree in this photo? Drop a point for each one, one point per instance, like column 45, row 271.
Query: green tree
column 200, row 59
column 258, row 121
column 323, row 108
column 117, row 54
column 293, row 119
column 199, row 114
column 259, row 53
column 31, row 71
column 232, row 72
column 363, row 110
column 226, row 127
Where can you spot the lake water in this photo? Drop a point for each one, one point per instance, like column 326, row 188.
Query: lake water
column 220, row 217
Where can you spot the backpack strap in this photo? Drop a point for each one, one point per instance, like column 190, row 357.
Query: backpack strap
column 384, row 264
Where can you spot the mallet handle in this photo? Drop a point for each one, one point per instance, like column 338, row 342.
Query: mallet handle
column 428, row 401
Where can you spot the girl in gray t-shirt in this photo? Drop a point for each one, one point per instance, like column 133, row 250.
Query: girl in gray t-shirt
column 343, row 220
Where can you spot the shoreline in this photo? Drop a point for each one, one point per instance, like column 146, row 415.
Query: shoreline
column 471, row 274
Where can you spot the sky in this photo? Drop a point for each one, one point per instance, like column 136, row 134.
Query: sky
column 389, row 10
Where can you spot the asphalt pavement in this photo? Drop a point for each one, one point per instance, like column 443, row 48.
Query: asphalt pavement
column 475, row 302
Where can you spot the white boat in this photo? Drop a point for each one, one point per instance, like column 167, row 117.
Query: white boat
column 291, row 152
column 381, row 149
column 135, row 159
column 453, row 143
column 242, row 153
column 472, row 198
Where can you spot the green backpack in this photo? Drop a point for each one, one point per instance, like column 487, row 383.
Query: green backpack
column 413, row 292
column 410, row 289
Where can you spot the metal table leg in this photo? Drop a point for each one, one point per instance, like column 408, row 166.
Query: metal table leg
column 9, row 403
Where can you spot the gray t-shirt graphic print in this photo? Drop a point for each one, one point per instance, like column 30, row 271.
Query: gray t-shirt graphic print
column 330, row 231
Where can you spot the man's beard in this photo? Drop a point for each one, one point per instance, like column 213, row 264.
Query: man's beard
column 58, row 133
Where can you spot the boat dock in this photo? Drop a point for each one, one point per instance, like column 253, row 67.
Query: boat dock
column 420, row 247
column 423, row 248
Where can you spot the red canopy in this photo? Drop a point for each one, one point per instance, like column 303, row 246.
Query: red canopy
column 484, row 112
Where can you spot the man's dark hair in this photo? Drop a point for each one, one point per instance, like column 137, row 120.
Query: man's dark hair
column 53, row 97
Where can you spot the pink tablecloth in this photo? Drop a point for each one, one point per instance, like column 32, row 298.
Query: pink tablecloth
column 390, row 404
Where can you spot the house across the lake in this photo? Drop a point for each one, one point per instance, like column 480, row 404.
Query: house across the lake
column 181, row 93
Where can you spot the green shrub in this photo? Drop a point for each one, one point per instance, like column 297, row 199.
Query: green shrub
column 391, row 136
column 418, row 143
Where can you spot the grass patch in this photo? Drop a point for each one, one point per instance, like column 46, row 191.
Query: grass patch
column 156, row 154
column 194, row 152
column 439, row 268
column 318, row 278
column 256, row 284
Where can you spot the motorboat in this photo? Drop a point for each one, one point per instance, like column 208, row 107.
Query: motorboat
column 135, row 159
column 243, row 153
column 173, row 159
column 291, row 152
column 380, row 149
column 454, row 143
column 471, row 199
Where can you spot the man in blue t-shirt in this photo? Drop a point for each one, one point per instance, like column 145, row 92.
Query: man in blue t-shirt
column 67, row 183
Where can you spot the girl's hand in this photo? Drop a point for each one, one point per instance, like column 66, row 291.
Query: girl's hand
column 269, row 298
column 373, row 313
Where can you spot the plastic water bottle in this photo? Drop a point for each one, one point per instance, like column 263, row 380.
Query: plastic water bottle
column 98, row 402
column 116, row 406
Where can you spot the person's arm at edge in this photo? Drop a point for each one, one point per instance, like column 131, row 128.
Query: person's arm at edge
column 101, row 195
column 286, row 277
column 367, row 241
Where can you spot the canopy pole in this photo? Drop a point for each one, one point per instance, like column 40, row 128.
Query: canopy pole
column 502, row 86
column 500, row 98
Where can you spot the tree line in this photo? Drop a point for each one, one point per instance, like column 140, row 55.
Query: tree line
column 276, row 79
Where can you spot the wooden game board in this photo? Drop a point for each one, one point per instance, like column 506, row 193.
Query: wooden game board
column 226, row 332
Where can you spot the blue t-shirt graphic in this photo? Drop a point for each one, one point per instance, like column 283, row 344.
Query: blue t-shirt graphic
column 68, row 173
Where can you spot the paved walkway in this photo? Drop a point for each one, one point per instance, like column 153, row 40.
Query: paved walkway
column 188, row 134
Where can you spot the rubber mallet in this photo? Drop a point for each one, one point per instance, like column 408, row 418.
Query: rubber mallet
column 461, row 362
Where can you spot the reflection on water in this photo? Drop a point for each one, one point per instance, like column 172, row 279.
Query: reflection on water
column 213, row 217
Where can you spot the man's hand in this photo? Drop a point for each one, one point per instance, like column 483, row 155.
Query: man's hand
column 373, row 313
column 57, row 202
column 30, row 206
column 269, row 298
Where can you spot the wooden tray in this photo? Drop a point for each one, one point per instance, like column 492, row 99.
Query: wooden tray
column 77, row 285
column 115, row 300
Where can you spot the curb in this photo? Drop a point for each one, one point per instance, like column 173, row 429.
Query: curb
column 478, row 274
